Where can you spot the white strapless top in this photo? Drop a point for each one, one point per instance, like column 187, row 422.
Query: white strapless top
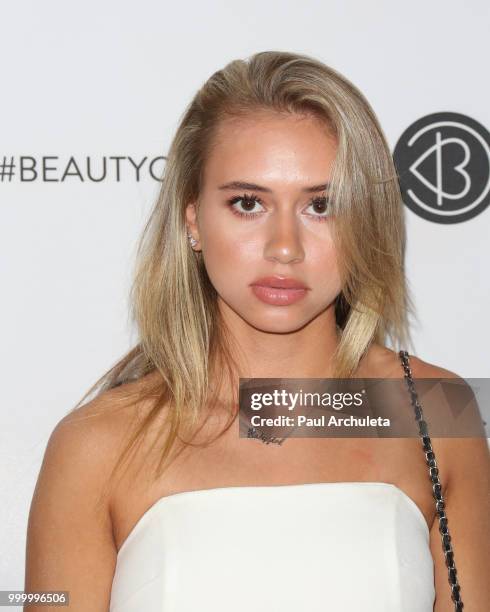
column 341, row 546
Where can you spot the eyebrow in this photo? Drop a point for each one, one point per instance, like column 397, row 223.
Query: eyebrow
column 254, row 187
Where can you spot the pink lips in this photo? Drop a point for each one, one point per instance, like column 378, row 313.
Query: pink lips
column 279, row 290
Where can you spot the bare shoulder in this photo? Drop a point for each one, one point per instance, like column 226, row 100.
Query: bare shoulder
column 387, row 362
column 469, row 454
column 472, row 443
column 69, row 534
column 88, row 438
column 425, row 369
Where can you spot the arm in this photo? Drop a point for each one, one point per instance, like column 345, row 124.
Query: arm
column 69, row 536
column 466, row 461
column 467, row 506
column 467, row 502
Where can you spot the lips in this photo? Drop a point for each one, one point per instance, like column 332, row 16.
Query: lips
column 279, row 282
column 279, row 291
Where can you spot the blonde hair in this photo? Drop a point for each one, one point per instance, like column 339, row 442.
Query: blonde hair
column 174, row 304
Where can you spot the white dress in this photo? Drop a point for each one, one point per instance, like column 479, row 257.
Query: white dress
column 343, row 546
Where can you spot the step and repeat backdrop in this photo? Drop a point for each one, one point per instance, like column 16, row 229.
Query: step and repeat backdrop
column 90, row 98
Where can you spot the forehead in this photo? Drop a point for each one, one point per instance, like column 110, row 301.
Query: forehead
column 267, row 118
column 271, row 146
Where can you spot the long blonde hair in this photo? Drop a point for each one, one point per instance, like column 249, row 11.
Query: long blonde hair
column 174, row 304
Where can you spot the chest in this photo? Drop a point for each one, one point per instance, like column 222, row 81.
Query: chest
column 231, row 461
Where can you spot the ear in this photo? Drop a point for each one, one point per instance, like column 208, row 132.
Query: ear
column 191, row 222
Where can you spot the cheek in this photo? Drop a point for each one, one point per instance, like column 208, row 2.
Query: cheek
column 228, row 250
column 231, row 261
column 325, row 268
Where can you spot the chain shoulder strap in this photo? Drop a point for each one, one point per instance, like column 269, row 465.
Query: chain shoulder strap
column 436, row 484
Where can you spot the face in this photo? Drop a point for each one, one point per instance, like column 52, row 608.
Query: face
column 264, row 212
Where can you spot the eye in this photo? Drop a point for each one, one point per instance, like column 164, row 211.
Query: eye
column 247, row 202
column 321, row 205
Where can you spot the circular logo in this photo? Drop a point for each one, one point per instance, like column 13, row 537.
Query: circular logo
column 443, row 165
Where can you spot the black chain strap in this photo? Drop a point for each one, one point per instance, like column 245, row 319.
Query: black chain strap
column 436, row 485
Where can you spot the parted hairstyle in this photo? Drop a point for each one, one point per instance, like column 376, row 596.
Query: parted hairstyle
column 181, row 336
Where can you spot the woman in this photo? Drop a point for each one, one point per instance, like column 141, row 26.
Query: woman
column 148, row 498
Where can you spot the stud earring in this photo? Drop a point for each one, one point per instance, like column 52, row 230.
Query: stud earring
column 192, row 240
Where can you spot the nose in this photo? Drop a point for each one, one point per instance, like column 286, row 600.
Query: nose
column 283, row 243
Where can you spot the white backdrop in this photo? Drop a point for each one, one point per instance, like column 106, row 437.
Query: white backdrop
column 111, row 78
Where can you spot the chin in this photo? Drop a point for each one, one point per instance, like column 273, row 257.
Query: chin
column 281, row 323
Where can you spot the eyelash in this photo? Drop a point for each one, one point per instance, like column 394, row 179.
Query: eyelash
column 255, row 198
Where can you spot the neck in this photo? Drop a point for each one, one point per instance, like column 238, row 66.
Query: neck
column 303, row 353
